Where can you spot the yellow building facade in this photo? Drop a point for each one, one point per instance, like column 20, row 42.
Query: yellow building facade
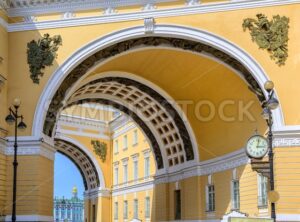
column 189, row 82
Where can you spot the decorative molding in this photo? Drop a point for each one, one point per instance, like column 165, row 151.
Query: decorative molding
column 218, row 164
column 68, row 15
column 29, row 19
column 135, row 156
column 82, row 123
column 149, row 24
column 124, row 130
column 98, row 192
column 42, row 53
column 110, row 11
column 192, row 2
column 125, row 161
column 149, row 6
column 27, row 146
column 288, row 136
column 28, row 7
column 100, row 149
column 80, row 133
column 270, row 35
column 134, row 188
column 159, row 13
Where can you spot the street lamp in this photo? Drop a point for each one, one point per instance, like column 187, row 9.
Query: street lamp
column 12, row 118
column 271, row 104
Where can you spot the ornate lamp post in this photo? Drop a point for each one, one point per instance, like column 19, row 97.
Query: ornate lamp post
column 271, row 104
column 13, row 117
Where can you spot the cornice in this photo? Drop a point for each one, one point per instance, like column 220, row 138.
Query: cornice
column 28, row 146
column 288, row 136
column 218, row 164
column 133, row 188
column 140, row 15
column 36, row 7
column 98, row 192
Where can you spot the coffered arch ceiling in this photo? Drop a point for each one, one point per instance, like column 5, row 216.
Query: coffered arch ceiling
column 182, row 69
column 82, row 161
column 192, row 80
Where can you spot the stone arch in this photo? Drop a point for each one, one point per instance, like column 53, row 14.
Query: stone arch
column 87, row 165
column 125, row 40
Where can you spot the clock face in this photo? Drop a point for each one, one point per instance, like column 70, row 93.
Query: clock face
column 257, row 147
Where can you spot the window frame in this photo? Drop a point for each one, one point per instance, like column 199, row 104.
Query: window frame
column 210, row 198
column 235, row 203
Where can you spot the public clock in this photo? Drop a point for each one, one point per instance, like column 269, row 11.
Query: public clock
column 257, row 147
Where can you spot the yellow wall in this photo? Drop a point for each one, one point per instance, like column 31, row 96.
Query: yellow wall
column 287, row 180
column 34, row 186
column 132, row 149
column 4, row 73
column 218, row 23
column 104, row 166
column 2, row 183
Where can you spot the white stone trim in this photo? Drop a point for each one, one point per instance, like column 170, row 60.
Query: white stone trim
column 288, row 217
column 37, row 7
column 218, row 164
column 99, row 192
column 288, row 136
column 135, row 157
column 125, row 130
column 138, row 15
column 134, row 188
column 88, row 153
column 30, row 146
column 30, row 218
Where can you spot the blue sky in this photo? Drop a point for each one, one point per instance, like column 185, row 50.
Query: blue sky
column 66, row 176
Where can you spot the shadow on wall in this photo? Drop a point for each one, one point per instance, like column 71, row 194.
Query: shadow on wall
column 188, row 199
column 32, row 58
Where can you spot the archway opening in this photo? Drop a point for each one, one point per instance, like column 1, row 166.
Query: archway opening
column 68, row 190
column 129, row 76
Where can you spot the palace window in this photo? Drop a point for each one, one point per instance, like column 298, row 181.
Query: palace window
column 235, row 195
column 125, row 173
column 116, row 176
column 116, row 211
column 125, row 210
column 135, row 209
column 135, row 170
column 262, row 191
column 177, row 204
column 116, row 146
column 210, row 198
column 147, row 167
column 135, row 137
column 125, row 142
column 147, row 207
